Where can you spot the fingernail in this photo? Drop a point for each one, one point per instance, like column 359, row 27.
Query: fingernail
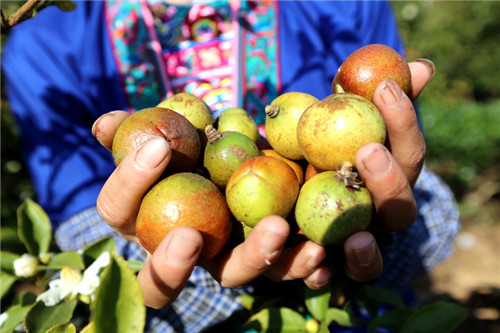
column 366, row 256
column 429, row 64
column 270, row 244
column 180, row 251
column 378, row 163
column 95, row 125
column 152, row 153
column 314, row 261
column 391, row 94
column 322, row 278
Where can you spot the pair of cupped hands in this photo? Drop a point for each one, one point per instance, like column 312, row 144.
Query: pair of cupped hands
column 389, row 171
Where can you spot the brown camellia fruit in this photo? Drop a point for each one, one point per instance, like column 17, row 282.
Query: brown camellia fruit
column 366, row 67
column 181, row 135
column 332, row 130
column 186, row 199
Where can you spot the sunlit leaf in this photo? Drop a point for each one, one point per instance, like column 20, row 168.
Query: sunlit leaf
column 135, row 265
column 247, row 300
column 63, row 328
column 276, row 319
column 438, row 317
column 340, row 316
column 69, row 259
column 40, row 318
column 34, row 227
column 119, row 306
column 15, row 315
column 317, row 302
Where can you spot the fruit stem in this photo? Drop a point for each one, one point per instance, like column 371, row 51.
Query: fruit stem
column 272, row 110
column 212, row 134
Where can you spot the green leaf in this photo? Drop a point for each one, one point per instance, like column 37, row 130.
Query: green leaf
column 383, row 295
column 317, row 302
column 69, row 259
column 10, row 239
column 89, row 328
column 40, row 318
column 392, row 320
column 276, row 319
column 135, row 265
column 34, row 227
column 438, row 317
column 247, row 300
column 94, row 250
column 15, row 315
column 341, row 317
column 118, row 306
column 7, row 260
column 6, row 281
column 65, row 6
column 62, row 328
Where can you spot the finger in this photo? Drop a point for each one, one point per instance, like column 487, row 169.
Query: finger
column 104, row 128
column 404, row 138
column 167, row 270
column 120, row 197
column 319, row 278
column 363, row 259
column 392, row 194
column 297, row 262
column 422, row 70
column 255, row 255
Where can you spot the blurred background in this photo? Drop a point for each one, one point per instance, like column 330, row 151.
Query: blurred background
column 460, row 113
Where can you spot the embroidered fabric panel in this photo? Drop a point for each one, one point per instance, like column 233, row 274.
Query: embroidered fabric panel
column 134, row 54
column 197, row 43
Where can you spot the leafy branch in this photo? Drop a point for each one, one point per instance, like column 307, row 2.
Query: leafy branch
column 29, row 9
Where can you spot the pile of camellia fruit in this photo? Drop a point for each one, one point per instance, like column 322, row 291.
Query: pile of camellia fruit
column 219, row 178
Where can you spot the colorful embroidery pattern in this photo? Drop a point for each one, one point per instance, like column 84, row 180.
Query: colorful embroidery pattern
column 198, row 49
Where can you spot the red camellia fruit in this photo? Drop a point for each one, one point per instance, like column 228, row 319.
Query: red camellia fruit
column 366, row 67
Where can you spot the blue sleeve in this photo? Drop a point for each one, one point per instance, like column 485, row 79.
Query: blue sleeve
column 316, row 37
column 59, row 75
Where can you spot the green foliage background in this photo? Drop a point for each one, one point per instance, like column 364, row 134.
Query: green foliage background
column 460, row 107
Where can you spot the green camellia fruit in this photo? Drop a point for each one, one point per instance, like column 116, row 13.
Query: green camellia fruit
column 332, row 206
column 261, row 186
column 144, row 124
column 282, row 116
column 224, row 152
column 332, row 130
column 366, row 67
column 238, row 120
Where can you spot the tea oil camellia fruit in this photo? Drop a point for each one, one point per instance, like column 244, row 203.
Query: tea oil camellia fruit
column 261, row 186
column 193, row 108
column 186, row 199
column 224, row 152
column 332, row 130
column 297, row 168
column 282, row 116
column 365, row 68
column 181, row 135
column 238, row 120
column 331, row 206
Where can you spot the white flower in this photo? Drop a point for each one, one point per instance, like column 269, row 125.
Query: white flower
column 25, row 266
column 72, row 282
